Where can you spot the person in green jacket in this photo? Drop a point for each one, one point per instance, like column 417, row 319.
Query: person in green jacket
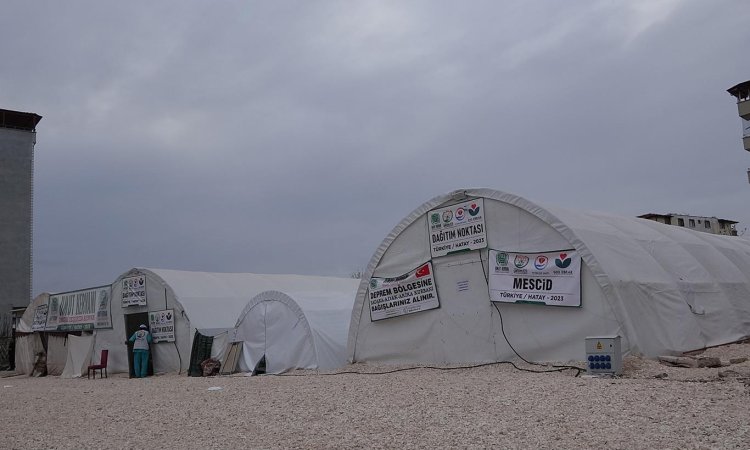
column 141, row 339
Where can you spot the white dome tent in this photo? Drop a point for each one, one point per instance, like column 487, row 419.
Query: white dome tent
column 303, row 327
column 662, row 288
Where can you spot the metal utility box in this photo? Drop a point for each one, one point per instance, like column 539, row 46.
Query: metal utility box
column 603, row 354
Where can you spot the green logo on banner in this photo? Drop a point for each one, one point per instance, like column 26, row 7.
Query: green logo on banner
column 435, row 218
column 502, row 258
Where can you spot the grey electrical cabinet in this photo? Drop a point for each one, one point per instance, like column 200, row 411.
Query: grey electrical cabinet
column 603, row 355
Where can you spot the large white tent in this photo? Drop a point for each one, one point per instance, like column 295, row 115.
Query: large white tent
column 663, row 289
column 304, row 327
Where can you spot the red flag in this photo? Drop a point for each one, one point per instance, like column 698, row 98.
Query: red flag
column 423, row 271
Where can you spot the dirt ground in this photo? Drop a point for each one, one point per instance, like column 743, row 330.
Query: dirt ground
column 650, row 406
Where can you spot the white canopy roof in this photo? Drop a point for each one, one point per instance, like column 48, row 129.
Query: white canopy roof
column 216, row 300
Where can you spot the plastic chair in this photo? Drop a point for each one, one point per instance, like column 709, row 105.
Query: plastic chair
column 101, row 367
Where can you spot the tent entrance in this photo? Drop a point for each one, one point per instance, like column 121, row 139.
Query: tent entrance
column 132, row 322
column 260, row 368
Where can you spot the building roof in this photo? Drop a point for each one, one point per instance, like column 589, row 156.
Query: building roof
column 19, row 120
column 652, row 215
column 740, row 90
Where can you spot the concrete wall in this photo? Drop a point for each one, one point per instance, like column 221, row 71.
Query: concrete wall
column 16, row 194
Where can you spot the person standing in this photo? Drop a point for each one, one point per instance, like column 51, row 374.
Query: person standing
column 141, row 339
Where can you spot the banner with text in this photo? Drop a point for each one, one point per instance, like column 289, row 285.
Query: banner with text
column 134, row 291
column 457, row 227
column 86, row 309
column 40, row 318
column 161, row 325
column 551, row 278
column 406, row 294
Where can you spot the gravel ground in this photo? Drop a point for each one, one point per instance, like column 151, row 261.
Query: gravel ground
column 649, row 406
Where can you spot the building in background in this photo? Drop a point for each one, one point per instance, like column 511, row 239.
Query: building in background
column 17, row 140
column 712, row 225
column 742, row 93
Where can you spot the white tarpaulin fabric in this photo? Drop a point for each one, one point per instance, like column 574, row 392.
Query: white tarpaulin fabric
column 663, row 288
column 27, row 348
column 57, row 354
column 79, row 355
column 304, row 329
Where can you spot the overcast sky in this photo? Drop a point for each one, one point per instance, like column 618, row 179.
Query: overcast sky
column 290, row 137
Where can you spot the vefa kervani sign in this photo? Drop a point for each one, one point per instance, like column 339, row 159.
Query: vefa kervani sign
column 409, row 293
column 80, row 310
column 549, row 278
column 457, row 228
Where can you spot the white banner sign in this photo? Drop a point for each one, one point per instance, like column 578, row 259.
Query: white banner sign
column 161, row 325
column 410, row 293
column 104, row 309
column 40, row 318
column 550, row 278
column 134, row 291
column 86, row 309
column 456, row 228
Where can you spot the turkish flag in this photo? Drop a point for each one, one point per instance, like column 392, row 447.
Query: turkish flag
column 423, row 271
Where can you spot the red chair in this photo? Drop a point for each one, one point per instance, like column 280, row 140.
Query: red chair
column 101, row 367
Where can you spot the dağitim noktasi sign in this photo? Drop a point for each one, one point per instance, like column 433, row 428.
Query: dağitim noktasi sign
column 457, row 228
column 134, row 291
column 86, row 309
column 161, row 325
column 550, row 278
column 406, row 294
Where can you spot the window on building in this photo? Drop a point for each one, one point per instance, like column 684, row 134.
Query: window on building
column 681, row 222
column 722, row 225
column 692, row 223
column 707, row 224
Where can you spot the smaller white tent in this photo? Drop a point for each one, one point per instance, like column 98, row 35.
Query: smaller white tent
column 304, row 327
column 28, row 343
column 31, row 340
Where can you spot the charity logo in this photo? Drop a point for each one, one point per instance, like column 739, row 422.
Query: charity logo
column 563, row 261
column 447, row 216
column 541, row 262
column 460, row 214
column 373, row 283
column 141, row 280
column 520, row 261
column 473, row 209
column 423, row 271
column 435, row 218
column 169, row 316
column 502, row 258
